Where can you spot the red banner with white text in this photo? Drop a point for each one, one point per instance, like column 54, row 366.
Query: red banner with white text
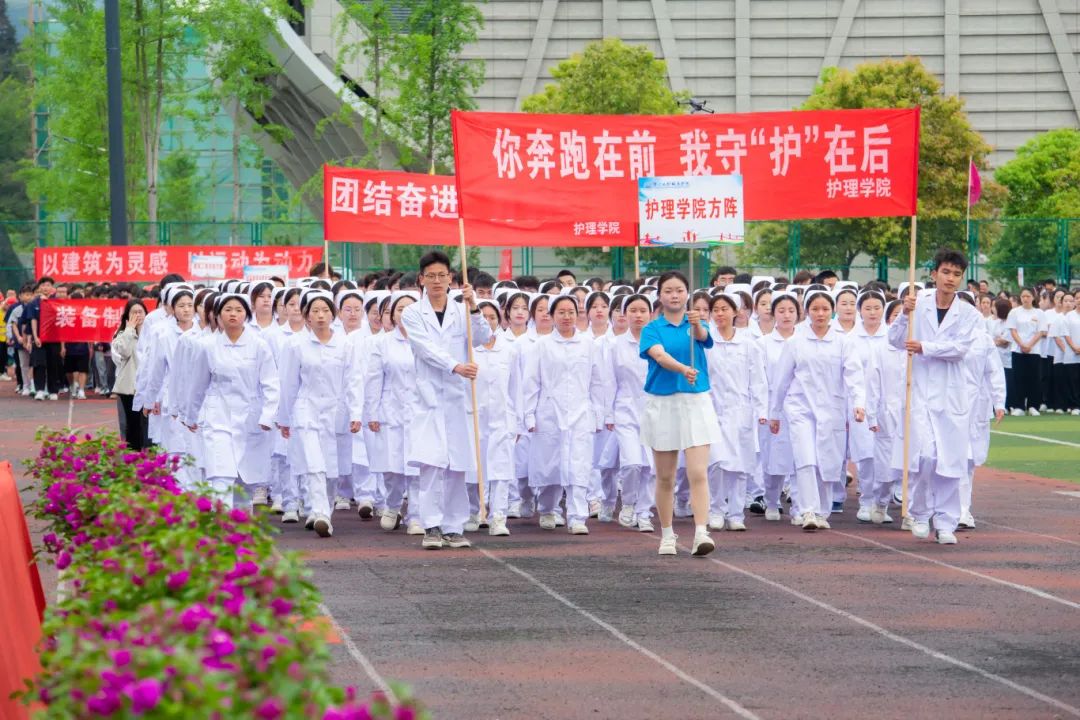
column 73, row 321
column 388, row 206
column 148, row 263
column 579, row 172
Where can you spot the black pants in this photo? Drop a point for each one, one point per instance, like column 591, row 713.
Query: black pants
column 1051, row 393
column 1067, row 383
column 1027, row 378
column 1010, row 389
column 48, row 367
column 134, row 428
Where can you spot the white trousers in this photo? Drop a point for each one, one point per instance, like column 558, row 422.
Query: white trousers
column 966, row 484
column 774, row 485
column 359, row 485
column 395, row 485
column 279, row 475
column 755, row 483
column 229, row 490
column 682, row 487
column 932, row 496
column 316, row 490
column 496, row 497
column 812, row 492
column 577, row 503
column 727, row 493
column 442, row 499
column 638, row 489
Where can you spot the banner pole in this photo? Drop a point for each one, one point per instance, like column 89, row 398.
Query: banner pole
column 967, row 222
column 637, row 262
column 907, row 389
column 690, row 300
column 472, row 382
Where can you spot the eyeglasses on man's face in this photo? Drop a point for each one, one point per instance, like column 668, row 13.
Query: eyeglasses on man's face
column 437, row 277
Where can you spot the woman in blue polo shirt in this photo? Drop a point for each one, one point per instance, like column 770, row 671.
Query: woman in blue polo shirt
column 678, row 415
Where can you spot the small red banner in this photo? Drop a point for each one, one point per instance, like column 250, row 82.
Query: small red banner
column 73, row 321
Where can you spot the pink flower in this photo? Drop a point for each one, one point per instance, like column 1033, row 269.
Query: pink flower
column 238, row 515
column 281, row 606
column 145, row 695
column 270, row 709
column 177, row 580
column 204, row 504
column 404, row 713
column 63, row 560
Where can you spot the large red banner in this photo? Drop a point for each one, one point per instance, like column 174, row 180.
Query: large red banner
column 579, row 172
column 148, row 263
column 73, row 321
column 387, row 206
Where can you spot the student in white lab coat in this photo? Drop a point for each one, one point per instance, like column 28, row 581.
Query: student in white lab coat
column 442, row 444
column 886, row 386
column 777, row 463
column 818, row 377
column 172, row 435
column 156, row 319
column 498, row 419
column 562, row 395
column 187, row 348
column 356, row 480
column 389, row 405
column 602, row 489
column 316, row 371
column 234, row 390
column 699, row 302
column 944, row 330
column 262, row 305
column 870, row 337
column 541, row 325
column 635, row 473
column 985, row 378
column 740, row 396
column 284, row 484
column 516, row 314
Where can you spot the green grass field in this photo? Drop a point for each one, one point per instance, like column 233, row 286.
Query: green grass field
column 1033, row 456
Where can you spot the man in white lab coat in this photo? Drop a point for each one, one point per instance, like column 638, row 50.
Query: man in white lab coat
column 441, row 444
column 944, row 330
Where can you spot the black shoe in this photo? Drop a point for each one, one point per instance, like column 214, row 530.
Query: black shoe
column 838, row 506
column 758, row 505
column 433, row 539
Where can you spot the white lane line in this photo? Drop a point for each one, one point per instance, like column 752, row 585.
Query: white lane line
column 618, row 635
column 936, row 654
column 1036, row 437
column 360, row 658
column 1029, row 532
column 982, row 576
column 1068, row 493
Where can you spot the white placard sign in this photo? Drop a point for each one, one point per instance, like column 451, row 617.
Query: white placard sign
column 690, row 211
column 207, row 267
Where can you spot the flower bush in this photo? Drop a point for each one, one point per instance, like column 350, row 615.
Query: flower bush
column 174, row 606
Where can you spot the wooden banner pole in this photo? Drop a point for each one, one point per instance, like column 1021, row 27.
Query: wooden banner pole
column 472, row 382
column 907, row 390
column 693, row 339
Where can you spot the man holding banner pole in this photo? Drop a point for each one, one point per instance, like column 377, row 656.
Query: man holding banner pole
column 439, row 332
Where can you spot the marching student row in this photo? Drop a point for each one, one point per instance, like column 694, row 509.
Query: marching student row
column 317, row 394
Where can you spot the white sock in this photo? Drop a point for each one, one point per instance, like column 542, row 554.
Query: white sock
column 667, row 532
column 701, row 530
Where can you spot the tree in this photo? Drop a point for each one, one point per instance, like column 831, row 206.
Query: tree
column 433, row 77
column 183, row 194
column 14, row 146
column 1043, row 182
column 946, row 139
column 609, row 78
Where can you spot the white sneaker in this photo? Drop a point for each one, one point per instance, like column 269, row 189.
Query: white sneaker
column 716, row 522
column 626, row 516
column 290, row 516
column 366, row 510
column 879, row 515
column 607, row 514
column 772, row 514
column 967, row 521
column 560, row 521
column 736, row 525
column 27, row 392
column 1075, row 411
column 547, row 521
column 1016, row 412
column 414, row 528
column 498, row 526
column 594, row 508
column 53, row 396
column 579, row 528
column 920, row 529
column 809, row 521
column 514, row 511
column 944, row 537
column 278, row 507
column 863, row 515
column 472, row 524
column 261, row 496
column 39, row 395
column 1033, row 412
column 389, row 520
column 669, row 545
column 823, row 523
column 80, row 395
column 797, row 519
column 703, row 545
column 342, row 503
column 907, row 523
column 1042, row 408
column 322, row 526
column 645, row 525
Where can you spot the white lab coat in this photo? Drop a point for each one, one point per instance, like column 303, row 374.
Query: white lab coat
column 390, row 400
column 628, row 370
column 442, row 427
column 234, row 389
column 940, row 405
column 314, row 378
column 817, row 380
column 605, row 445
column 171, row 434
column 523, row 346
column 498, row 420
column 776, row 455
column 352, row 447
column 562, row 396
column 869, row 347
column 985, row 378
column 740, row 396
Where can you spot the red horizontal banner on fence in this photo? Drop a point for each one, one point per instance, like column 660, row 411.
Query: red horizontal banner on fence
column 386, row 206
column 581, row 171
column 73, row 321
column 106, row 263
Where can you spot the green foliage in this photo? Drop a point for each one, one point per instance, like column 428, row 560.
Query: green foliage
column 946, row 141
column 183, row 188
column 8, row 44
column 1043, row 182
column 609, row 78
column 14, row 146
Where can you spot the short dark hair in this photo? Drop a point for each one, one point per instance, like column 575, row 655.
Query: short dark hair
column 948, row 256
column 672, row 275
column 409, row 281
column 483, row 280
column 824, row 275
column 566, row 271
column 434, row 257
column 317, row 268
column 527, row 281
column 44, row 279
column 170, row 279
column 803, row 277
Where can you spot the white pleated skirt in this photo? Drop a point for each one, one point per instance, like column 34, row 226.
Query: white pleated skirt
column 679, row 421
